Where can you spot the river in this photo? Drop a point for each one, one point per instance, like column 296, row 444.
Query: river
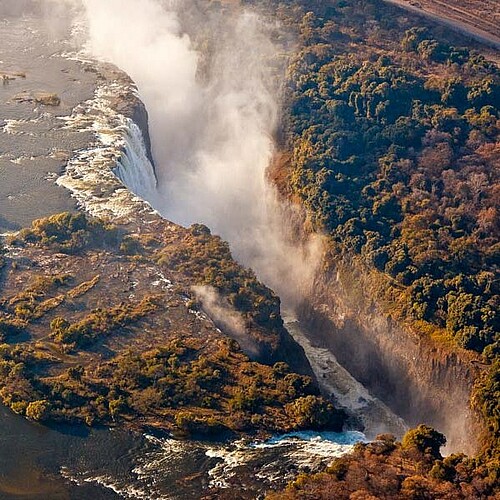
column 75, row 462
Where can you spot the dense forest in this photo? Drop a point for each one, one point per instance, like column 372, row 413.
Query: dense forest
column 391, row 141
column 395, row 155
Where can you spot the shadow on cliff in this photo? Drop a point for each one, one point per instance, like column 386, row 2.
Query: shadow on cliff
column 419, row 383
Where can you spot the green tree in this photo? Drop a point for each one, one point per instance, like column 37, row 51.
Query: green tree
column 425, row 439
column 313, row 412
column 38, row 410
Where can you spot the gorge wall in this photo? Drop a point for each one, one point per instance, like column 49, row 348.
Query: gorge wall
column 420, row 380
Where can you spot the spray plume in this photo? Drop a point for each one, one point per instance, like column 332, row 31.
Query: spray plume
column 211, row 125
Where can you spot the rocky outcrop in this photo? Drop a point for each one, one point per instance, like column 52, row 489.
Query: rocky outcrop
column 423, row 381
column 129, row 104
column 139, row 116
column 44, row 98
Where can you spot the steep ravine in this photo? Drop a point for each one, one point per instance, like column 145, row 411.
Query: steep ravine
column 419, row 379
column 281, row 348
column 62, row 461
column 422, row 382
column 124, row 147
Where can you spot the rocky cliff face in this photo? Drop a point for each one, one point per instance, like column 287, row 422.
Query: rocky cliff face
column 421, row 380
column 130, row 105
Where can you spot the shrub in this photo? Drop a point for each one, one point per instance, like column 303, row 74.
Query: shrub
column 38, row 410
column 425, row 439
column 117, row 407
column 131, row 246
column 313, row 412
column 70, row 233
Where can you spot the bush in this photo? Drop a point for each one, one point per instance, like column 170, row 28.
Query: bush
column 425, row 439
column 101, row 322
column 131, row 246
column 69, row 233
column 117, row 407
column 313, row 412
column 193, row 424
column 38, row 410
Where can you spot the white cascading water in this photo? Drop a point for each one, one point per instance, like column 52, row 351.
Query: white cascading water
column 212, row 143
column 141, row 180
column 118, row 144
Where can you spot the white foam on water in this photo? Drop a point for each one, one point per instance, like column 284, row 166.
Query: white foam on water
column 19, row 160
column 110, row 483
column 167, row 450
column 14, row 127
column 21, row 127
column 92, row 174
column 284, row 455
column 164, row 461
column 318, row 442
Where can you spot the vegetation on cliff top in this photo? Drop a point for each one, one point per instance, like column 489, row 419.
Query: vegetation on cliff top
column 125, row 345
column 393, row 136
column 395, row 154
column 68, row 233
column 207, row 259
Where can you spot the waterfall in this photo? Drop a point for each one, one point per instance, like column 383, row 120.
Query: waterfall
column 96, row 175
column 133, row 167
column 213, row 114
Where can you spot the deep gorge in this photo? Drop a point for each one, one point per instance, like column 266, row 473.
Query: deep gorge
column 262, row 237
column 267, row 238
column 418, row 381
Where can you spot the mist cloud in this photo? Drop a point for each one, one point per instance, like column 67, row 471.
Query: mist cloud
column 212, row 122
column 226, row 318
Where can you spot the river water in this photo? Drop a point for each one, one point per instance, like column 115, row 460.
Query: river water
column 33, row 148
column 75, row 462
